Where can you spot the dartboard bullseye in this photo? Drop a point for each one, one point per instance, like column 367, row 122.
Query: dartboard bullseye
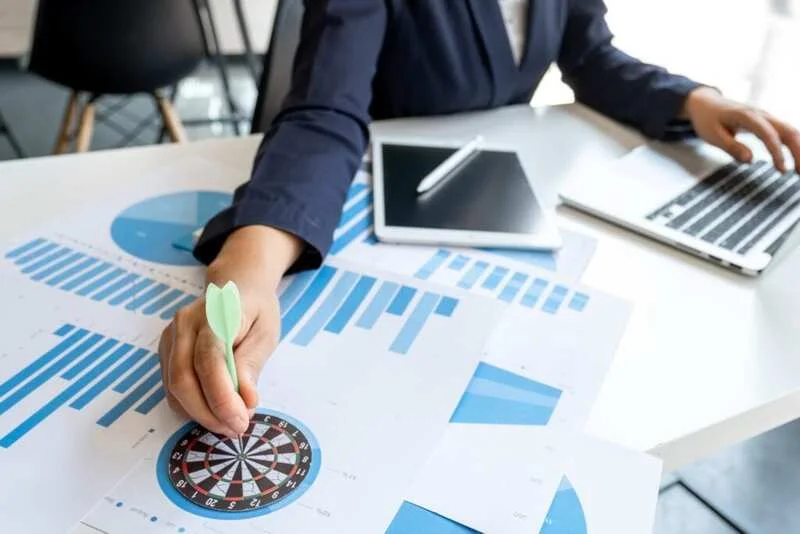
column 267, row 467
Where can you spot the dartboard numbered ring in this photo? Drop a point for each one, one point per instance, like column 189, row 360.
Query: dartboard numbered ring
column 272, row 464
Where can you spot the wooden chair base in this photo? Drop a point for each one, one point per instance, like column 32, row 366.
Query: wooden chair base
column 81, row 135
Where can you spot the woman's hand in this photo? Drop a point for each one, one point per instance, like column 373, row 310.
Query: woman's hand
column 193, row 360
column 717, row 120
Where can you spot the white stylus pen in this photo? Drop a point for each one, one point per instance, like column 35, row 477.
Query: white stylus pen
column 448, row 165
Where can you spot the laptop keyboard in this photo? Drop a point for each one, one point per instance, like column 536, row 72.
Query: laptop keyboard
column 735, row 207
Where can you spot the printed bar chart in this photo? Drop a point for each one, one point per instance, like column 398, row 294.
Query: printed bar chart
column 329, row 300
column 59, row 266
column 93, row 364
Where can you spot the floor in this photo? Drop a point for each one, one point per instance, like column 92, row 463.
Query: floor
column 743, row 47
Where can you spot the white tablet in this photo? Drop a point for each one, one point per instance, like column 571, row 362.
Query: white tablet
column 486, row 202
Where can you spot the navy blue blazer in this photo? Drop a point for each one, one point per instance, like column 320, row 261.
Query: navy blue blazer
column 360, row 60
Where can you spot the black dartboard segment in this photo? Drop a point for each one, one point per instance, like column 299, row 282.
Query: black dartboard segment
column 266, row 464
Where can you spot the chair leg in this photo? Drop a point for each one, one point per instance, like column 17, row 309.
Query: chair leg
column 65, row 131
column 170, row 119
column 86, row 126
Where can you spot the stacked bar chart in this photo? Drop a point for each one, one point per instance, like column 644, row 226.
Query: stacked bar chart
column 329, row 300
column 62, row 267
column 87, row 368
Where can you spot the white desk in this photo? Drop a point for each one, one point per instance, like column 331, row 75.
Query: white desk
column 709, row 358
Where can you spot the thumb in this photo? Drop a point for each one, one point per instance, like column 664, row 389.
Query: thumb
column 251, row 355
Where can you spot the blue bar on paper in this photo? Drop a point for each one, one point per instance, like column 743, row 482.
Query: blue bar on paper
column 134, row 396
column 446, row 307
column 88, row 275
column 354, row 190
column 458, row 262
column 72, row 271
column 47, row 260
column 307, row 299
column 100, row 282
column 531, row 297
column 64, row 330
column 25, row 248
column 555, row 299
column 378, row 304
column 350, row 305
column 44, row 273
column 469, row 279
column 61, row 399
column 146, row 297
column 102, row 384
column 352, row 233
column 358, row 207
column 542, row 258
column 163, row 301
column 513, row 287
column 172, row 310
column 128, row 382
column 326, row 309
column 433, row 264
column 40, row 362
column 413, row 519
column 131, row 292
column 494, row 278
column 30, row 256
column 414, row 323
column 35, row 382
column 579, row 301
column 152, row 401
column 402, row 300
column 116, row 286
column 294, row 290
column 89, row 359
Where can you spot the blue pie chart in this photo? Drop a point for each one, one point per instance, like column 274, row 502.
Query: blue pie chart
column 566, row 513
column 150, row 229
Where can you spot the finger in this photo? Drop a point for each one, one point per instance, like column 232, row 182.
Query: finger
column 222, row 399
column 790, row 137
column 251, row 355
column 164, row 350
column 724, row 139
column 759, row 125
column 183, row 383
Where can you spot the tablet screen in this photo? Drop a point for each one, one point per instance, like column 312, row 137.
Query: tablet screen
column 490, row 193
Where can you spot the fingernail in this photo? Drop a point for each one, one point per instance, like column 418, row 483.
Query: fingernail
column 239, row 424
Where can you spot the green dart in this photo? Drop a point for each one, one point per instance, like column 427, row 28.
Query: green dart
column 224, row 315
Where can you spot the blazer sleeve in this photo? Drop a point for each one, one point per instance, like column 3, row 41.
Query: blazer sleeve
column 644, row 96
column 309, row 156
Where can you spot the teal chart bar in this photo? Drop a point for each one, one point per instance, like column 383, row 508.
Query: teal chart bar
column 91, row 363
column 86, row 276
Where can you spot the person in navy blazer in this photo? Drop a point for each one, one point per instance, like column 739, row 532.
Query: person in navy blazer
column 360, row 60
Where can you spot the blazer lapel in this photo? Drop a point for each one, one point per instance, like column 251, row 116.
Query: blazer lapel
column 491, row 27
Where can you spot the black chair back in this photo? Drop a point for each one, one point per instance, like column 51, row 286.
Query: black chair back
column 116, row 46
column 276, row 76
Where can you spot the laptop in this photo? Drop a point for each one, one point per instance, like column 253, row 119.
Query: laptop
column 696, row 198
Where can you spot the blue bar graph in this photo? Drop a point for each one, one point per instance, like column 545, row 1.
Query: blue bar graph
column 100, row 282
column 63, row 330
column 170, row 312
column 72, row 271
column 354, row 190
column 47, row 260
column 152, row 401
column 473, row 274
column 30, row 245
column 40, row 362
column 432, row 265
column 131, row 292
column 89, row 359
column 116, row 286
column 295, row 289
column 132, row 398
column 349, row 307
column 512, row 288
column 553, row 302
column 101, row 385
column 446, row 307
column 360, row 206
column 495, row 277
column 126, row 383
column 85, row 277
column 378, row 305
column 533, row 293
column 163, row 301
column 402, row 300
column 414, row 323
column 36, row 253
column 146, row 297
column 44, row 273
column 458, row 262
column 352, row 233
column 579, row 302
column 306, row 300
column 326, row 309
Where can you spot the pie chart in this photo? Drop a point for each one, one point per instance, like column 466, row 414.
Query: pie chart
column 150, row 229
column 566, row 513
